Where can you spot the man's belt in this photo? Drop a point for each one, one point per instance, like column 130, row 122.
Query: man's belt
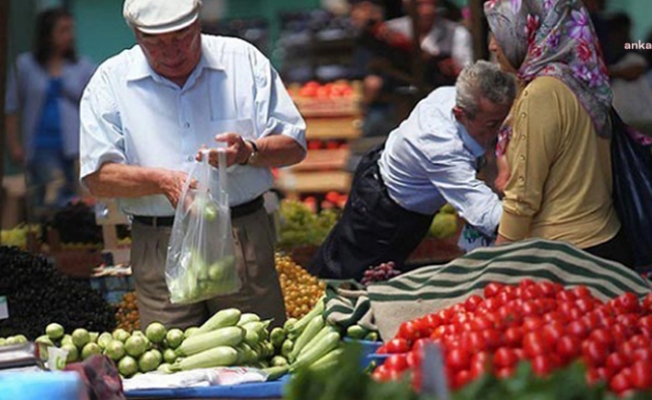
column 238, row 211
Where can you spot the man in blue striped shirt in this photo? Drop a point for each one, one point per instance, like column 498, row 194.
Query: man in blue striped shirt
column 428, row 161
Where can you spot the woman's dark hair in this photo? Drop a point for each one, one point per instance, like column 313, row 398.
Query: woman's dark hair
column 45, row 23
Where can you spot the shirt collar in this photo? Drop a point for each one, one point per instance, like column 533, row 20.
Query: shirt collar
column 141, row 68
column 470, row 143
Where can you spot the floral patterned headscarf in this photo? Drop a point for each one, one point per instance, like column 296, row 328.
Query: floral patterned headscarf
column 555, row 38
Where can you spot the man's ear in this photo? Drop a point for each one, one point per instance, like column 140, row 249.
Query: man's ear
column 458, row 112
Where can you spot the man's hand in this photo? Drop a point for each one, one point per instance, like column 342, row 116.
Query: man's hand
column 500, row 240
column 237, row 150
column 171, row 183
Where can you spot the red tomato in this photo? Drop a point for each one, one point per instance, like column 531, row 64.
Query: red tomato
column 458, row 359
column 602, row 335
column 433, row 321
column 534, row 344
column 513, row 336
column 642, row 375
column 492, row 289
column 554, row 316
column 481, row 323
column 413, row 359
column 578, row 329
column 647, row 302
column 547, row 289
column 604, row 373
column 482, row 358
column 584, row 304
column 566, row 295
column 594, row 353
column 445, row 315
column 616, row 362
column 504, row 373
column 505, row 357
column 553, row 332
column 397, row 362
column 462, row 378
column 410, row 330
column 385, row 374
column 592, row 376
column 591, row 320
column 532, row 324
column 472, row 302
column 640, row 341
column 568, row 347
column 478, row 369
column 525, row 283
column 620, row 383
column 542, row 365
column 493, row 339
column 628, row 302
column 475, row 342
column 510, row 314
column 570, row 311
column 397, row 345
column 628, row 350
column 530, row 308
column 530, row 293
column 642, row 355
column 582, row 292
column 629, row 320
column 620, row 333
column 647, row 332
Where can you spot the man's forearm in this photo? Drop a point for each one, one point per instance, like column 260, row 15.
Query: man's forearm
column 11, row 121
column 119, row 180
column 278, row 151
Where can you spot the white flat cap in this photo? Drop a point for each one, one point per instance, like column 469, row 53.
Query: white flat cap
column 161, row 16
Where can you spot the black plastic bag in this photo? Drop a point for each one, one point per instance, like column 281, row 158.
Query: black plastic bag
column 632, row 189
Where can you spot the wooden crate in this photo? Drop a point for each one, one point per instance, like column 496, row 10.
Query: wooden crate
column 333, row 128
column 323, row 160
column 311, row 107
column 313, row 182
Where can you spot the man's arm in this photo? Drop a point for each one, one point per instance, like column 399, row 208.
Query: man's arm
column 120, row 180
column 13, row 139
column 455, row 178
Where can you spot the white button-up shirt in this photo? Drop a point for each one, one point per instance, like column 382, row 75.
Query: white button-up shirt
column 431, row 159
column 131, row 115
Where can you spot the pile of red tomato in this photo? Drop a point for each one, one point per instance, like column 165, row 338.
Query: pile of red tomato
column 537, row 321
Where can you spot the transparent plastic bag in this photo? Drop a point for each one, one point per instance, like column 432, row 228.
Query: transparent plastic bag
column 200, row 262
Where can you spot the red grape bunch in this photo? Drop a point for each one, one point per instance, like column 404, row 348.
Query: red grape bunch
column 380, row 273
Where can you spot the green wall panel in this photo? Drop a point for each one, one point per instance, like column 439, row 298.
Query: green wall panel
column 101, row 30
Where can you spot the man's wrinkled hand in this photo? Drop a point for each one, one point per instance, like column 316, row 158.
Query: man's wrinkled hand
column 172, row 184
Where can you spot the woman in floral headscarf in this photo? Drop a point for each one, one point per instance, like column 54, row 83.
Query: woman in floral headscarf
column 557, row 140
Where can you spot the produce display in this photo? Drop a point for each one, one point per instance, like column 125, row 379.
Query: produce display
column 345, row 380
column 228, row 338
column 301, row 290
column 541, row 323
column 37, row 294
column 17, row 236
column 127, row 313
column 300, row 226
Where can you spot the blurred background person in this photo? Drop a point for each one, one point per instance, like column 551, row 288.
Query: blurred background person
column 447, row 44
column 42, row 109
column 632, row 91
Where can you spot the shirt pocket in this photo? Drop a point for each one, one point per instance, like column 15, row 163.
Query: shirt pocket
column 242, row 126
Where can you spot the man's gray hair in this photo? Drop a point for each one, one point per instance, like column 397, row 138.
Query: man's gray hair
column 483, row 79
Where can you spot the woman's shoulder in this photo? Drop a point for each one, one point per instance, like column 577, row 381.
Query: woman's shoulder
column 547, row 89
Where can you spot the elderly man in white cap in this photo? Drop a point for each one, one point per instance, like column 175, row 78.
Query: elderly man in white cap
column 144, row 116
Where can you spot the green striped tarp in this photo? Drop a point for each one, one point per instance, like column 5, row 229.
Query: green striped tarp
column 432, row 288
